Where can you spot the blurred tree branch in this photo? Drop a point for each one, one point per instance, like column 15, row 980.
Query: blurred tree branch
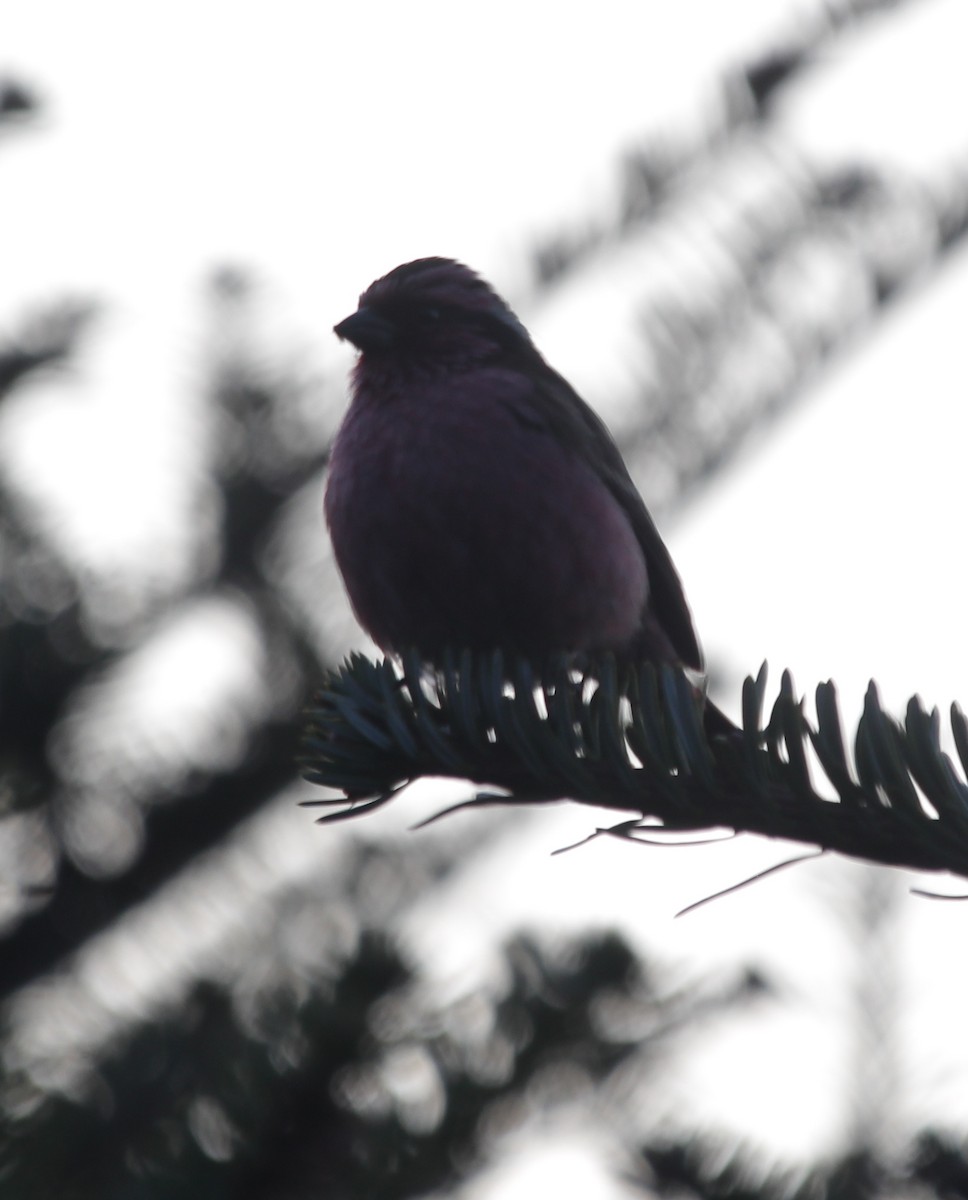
column 18, row 102
column 220, row 1094
column 45, row 339
column 292, row 1090
column 741, row 100
column 638, row 744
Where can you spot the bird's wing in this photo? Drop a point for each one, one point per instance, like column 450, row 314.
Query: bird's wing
column 555, row 405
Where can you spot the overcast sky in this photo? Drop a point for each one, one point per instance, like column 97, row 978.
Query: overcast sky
column 319, row 145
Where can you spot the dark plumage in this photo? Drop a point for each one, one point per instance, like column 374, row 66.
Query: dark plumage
column 474, row 499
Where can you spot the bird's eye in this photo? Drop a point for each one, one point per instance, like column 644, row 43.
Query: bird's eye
column 430, row 313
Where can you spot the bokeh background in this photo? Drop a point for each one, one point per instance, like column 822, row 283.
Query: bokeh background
column 739, row 230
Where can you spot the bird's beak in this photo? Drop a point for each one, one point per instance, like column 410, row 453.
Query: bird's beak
column 367, row 330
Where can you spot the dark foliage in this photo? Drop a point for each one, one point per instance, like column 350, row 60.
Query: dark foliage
column 937, row 1166
column 292, row 1094
column 17, row 101
column 940, row 1162
column 638, row 743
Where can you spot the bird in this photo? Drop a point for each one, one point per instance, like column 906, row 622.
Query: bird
column 474, row 500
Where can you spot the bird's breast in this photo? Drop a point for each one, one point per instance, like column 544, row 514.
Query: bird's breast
column 455, row 522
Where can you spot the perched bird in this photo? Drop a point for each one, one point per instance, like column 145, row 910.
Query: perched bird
column 475, row 500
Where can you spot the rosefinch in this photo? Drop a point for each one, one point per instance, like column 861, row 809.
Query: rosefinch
column 475, row 500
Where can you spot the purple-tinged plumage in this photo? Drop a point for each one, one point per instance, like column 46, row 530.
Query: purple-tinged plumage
column 475, row 500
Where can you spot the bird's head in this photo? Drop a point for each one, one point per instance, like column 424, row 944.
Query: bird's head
column 434, row 313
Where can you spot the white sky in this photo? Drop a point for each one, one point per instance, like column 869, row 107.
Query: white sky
column 322, row 144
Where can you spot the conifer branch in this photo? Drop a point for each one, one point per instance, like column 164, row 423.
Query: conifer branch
column 635, row 741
